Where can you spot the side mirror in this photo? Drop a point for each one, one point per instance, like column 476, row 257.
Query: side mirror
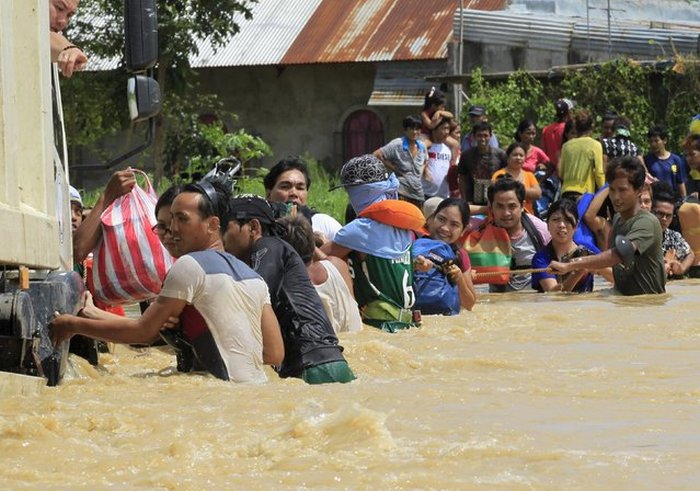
column 141, row 34
column 143, row 97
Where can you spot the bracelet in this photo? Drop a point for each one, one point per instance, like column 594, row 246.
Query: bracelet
column 70, row 46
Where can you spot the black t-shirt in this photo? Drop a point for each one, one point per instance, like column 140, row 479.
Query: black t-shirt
column 477, row 169
column 309, row 339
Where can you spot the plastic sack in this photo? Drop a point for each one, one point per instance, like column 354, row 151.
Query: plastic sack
column 129, row 262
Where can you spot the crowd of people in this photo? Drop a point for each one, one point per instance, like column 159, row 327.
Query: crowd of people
column 270, row 280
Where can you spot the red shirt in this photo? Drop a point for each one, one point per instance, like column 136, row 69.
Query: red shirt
column 552, row 140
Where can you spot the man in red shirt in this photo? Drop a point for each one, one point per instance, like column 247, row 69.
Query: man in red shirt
column 553, row 134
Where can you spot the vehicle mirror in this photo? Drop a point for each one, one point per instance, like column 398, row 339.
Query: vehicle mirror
column 141, row 34
column 143, row 97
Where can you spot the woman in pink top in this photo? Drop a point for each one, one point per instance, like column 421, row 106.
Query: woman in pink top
column 535, row 158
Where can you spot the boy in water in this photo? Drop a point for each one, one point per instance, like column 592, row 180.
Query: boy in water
column 377, row 244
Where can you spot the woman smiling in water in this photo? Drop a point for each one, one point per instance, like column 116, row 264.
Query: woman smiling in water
column 562, row 222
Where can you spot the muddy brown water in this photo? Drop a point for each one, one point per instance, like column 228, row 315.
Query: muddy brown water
column 527, row 391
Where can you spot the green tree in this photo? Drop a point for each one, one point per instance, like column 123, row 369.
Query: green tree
column 682, row 85
column 620, row 85
column 507, row 103
column 181, row 23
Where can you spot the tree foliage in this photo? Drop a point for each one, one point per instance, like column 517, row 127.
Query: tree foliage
column 520, row 96
column 663, row 94
column 94, row 107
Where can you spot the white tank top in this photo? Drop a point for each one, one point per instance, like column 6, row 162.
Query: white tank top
column 339, row 303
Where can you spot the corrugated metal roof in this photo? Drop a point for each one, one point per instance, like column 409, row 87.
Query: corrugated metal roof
column 402, row 83
column 517, row 30
column 560, row 33
column 634, row 40
column 330, row 31
column 374, row 30
column 264, row 39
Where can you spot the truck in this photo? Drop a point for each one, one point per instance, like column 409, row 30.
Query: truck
column 36, row 259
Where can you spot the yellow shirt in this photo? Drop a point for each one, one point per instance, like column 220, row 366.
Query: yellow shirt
column 581, row 165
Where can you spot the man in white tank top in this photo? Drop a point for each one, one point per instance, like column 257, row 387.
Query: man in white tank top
column 330, row 276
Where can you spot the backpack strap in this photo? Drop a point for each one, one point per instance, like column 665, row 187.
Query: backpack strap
column 532, row 232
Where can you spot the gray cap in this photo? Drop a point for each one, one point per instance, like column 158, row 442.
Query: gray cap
column 477, row 110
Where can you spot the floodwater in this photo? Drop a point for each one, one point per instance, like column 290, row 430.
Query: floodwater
column 527, row 391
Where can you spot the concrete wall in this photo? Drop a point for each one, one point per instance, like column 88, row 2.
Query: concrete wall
column 495, row 59
column 300, row 109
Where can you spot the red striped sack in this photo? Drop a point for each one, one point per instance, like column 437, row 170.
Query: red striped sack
column 129, row 262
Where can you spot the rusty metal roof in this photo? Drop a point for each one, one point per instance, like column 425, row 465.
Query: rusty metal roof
column 374, row 30
column 332, row 31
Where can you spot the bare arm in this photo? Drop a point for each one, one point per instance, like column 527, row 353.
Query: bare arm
column 143, row 330
column 333, row 249
column 380, row 155
column 598, row 225
column 533, row 193
column 89, row 233
column 68, row 56
column 273, row 345
column 679, row 268
column 344, row 271
column 552, row 285
column 605, row 259
column 465, row 286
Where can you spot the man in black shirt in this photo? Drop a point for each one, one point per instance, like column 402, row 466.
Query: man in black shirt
column 311, row 347
column 477, row 165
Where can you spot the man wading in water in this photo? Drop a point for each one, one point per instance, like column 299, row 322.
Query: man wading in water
column 636, row 256
column 207, row 288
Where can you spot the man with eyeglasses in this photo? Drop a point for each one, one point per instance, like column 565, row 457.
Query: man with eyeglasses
column 223, row 305
column 678, row 256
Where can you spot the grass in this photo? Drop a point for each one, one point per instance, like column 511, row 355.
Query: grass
column 332, row 203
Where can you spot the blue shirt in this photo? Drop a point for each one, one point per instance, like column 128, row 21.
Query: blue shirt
column 673, row 170
column 542, row 258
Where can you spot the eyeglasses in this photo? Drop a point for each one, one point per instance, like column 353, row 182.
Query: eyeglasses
column 160, row 229
column 661, row 215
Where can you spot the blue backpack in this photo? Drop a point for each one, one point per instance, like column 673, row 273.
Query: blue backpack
column 434, row 292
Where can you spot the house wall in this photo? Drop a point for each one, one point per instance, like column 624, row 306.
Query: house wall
column 494, row 59
column 300, row 108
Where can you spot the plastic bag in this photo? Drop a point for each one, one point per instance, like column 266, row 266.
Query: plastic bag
column 129, row 262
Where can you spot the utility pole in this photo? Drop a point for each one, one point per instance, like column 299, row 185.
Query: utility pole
column 609, row 34
column 608, row 11
column 588, row 29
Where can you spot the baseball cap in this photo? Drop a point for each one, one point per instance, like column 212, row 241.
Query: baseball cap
column 249, row 206
column 364, row 169
column 75, row 196
column 477, row 110
column 564, row 105
column 431, row 205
